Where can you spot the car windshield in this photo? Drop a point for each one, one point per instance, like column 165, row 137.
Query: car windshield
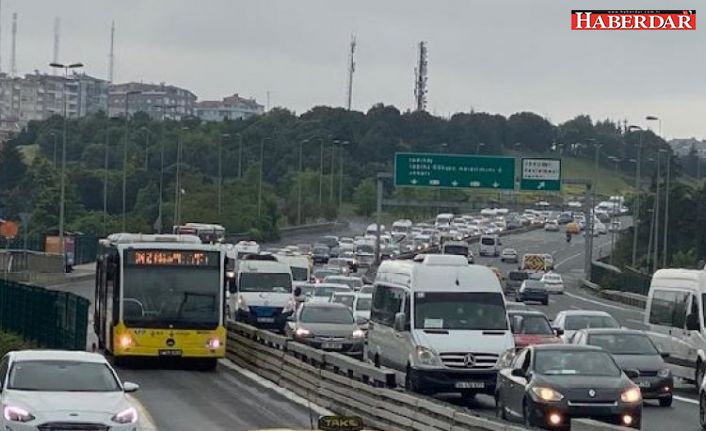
column 346, row 300
column 339, row 315
column 265, row 282
column 517, row 276
column 321, row 250
column 456, row 249
column 530, row 325
column 327, row 290
column 62, row 376
column 487, row 241
column 364, row 249
column 574, row 323
column 624, row 344
column 534, row 284
column 575, row 363
column 459, row 310
column 299, row 274
column 363, row 304
column 180, row 296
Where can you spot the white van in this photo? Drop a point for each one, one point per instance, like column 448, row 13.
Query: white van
column 490, row 245
column 300, row 267
column 440, row 321
column 443, row 220
column 262, row 295
column 675, row 317
column 401, row 228
column 372, row 230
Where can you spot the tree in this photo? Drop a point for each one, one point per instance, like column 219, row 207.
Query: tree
column 365, row 197
column 12, row 168
column 535, row 133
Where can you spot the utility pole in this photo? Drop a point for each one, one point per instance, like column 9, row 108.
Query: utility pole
column 666, row 212
column 259, row 184
column 655, row 259
column 105, row 179
column 299, row 183
column 420, row 78
column 220, row 169
column 333, row 168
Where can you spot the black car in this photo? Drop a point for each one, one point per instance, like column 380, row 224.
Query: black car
column 331, row 242
column 532, row 290
column 547, row 386
column 633, row 350
column 320, row 254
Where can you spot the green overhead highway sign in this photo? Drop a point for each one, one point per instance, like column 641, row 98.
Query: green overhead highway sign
column 454, row 171
column 541, row 174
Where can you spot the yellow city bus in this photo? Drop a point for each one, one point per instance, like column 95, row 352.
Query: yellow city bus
column 160, row 296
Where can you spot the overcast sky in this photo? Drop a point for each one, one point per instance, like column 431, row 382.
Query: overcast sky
column 499, row 56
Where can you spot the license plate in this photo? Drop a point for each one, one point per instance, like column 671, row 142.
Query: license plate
column 266, row 319
column 170, row 352
column 332, row 346
column 470, row 385
column 645, row 384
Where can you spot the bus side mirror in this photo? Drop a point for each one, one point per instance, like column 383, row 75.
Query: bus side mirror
column 400, row 319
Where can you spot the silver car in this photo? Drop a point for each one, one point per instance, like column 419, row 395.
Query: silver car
column 327, row 326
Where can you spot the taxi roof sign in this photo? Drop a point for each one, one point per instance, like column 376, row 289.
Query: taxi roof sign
column 340, row 423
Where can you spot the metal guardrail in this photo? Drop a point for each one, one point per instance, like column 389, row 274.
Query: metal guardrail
column 346, row 386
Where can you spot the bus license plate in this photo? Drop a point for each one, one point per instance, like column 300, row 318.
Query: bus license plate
column 470, row 385
column 266, row 319
column 331, row 346
column 170, row 352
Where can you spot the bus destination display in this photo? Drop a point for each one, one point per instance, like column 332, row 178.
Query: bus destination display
column 172, row 258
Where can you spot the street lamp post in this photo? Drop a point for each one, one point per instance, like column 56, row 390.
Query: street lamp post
column 299, row 183
column 177, row 181
column 636, row 216
column 127, row 131
column 220, row 169
column 333, row 168
column 655, row 259
column 666, row 211
column 340, row 175
column 321, row 173
column 259, row 184
column 62, row 198
column 105, row 179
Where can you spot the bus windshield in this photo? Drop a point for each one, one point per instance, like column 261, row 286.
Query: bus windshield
column 178, row 297
column 299, row 273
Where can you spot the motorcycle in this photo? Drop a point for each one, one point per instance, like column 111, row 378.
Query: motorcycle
column 568, row 237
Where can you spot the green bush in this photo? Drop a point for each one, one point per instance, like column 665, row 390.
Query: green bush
column 10, row 341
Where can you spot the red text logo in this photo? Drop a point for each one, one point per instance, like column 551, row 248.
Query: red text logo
column 633, row 20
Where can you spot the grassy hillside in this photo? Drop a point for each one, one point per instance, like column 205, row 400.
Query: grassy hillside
column 609, row 181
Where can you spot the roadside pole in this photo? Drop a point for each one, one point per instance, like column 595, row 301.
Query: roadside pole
column 589, row 234
column 378, row 220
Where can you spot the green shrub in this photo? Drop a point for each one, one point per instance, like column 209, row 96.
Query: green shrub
column 10, row 341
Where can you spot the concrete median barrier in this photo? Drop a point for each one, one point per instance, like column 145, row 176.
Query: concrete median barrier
column 350, row 387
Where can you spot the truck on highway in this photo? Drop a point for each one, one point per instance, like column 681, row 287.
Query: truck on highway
column 534, row 262
column 160, row 296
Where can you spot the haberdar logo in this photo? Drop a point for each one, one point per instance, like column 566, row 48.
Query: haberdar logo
column 633, row 20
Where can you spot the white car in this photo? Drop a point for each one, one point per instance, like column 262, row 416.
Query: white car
column 551, row 226
column 571, row 321
column 55, row 389
column 553, row 282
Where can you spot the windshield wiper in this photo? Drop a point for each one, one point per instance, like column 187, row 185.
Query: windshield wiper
column 436, row 331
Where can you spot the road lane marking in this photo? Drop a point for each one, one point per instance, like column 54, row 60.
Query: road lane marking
column 685, row 400
column 145, row 419
column 602, row 304
column 291, row 396
column 567, row 259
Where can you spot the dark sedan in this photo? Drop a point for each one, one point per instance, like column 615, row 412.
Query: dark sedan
column 547, row 386
column 532, row 290
column 633, row 350
column 320, row 254
column 327, row 326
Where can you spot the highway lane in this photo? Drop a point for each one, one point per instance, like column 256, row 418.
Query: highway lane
column 569, row 261
column 182, row 399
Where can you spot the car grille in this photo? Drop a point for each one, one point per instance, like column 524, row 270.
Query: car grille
column 265, row 311
column 481, row 361
column 77, row 426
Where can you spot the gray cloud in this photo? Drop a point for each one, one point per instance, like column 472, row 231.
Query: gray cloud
column 499, row 56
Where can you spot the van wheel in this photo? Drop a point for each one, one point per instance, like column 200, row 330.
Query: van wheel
column 699, row 373
column 410, row 384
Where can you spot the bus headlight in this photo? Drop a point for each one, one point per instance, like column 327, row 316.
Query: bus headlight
column 214, row 343
column 358, row 333
column 125, row 341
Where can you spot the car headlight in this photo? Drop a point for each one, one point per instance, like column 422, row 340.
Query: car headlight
column 127, row 416
column 631, row 395
column 302, row 333
column 664, row 372
column 547, row 394
column 358, row 333
column 17, row 414
column 230, row 274
column 427, row 356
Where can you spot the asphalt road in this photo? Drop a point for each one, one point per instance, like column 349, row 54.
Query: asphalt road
column 569, row 261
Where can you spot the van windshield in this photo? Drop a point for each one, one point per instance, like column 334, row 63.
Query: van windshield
column 460, row 310
column 456, row 249
column 487, row 241
column 265, row 282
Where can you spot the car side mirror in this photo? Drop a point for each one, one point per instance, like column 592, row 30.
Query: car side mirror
column 518, row 372
column 692, row 322
column 559, row 332
column 400, row 320
column 129, row 387
column 664, row 355
column 632, row 374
